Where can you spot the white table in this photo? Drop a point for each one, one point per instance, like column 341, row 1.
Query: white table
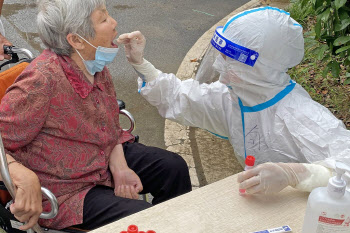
column 219, row 208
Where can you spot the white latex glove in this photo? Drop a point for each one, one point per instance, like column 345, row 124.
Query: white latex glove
column 134, row 44
column 271, row 178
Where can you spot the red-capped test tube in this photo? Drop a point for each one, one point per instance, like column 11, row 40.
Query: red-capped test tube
column 249, row 164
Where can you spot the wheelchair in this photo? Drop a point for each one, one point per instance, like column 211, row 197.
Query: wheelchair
column 8, row 222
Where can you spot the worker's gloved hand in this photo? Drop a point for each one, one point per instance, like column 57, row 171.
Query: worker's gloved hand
column 271, row 178
column 134, row 44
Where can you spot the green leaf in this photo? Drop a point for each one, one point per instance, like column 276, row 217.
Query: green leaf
column 342, row 49
column 318, row 28
column 310, row 46
column 320, row 54
column 324, row 16
column 335, row 68
column 342, row 55
column 347, row 63
column 343, row 14
column 304, row 3
column 339, row 3
column 310, row 33
column 347, row 81
column 327, row 57
column 326, row 70
column 341, row 40
column 318, row 4
column 344, row 23
column 315, row 50
column 324, row 34
column 328, row 38
column 347, row 75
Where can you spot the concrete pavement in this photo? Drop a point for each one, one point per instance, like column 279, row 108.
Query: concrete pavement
column 209, row 158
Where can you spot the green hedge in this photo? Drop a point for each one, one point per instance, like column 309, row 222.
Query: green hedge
column 332, row 30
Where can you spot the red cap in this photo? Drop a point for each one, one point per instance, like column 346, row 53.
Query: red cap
column 133, row 229
column 142, row 232
column 151, row 231
column 250, row 160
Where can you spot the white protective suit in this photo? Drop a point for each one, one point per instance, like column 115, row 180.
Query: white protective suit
column 280, row 121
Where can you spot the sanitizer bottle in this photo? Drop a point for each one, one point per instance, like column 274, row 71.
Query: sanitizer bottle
column 328, row 208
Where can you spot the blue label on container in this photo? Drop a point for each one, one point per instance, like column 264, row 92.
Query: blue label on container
column 276, row 230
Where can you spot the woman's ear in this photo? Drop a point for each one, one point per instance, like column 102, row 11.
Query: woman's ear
column 75, row 41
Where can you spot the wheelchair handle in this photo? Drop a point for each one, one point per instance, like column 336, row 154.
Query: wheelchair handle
column 131, row 118
column 5, row 174
column 14, row 50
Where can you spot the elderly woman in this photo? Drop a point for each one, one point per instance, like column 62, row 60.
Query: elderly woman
column 61, row 120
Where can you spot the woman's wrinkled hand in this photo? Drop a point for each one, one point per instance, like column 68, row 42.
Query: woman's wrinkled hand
column 27, row 206
column 134, row 44
column 127, row 183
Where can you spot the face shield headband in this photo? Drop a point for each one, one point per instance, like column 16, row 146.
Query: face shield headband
column 212, row 65
column 232, row 50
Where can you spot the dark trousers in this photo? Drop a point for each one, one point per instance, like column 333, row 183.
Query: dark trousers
column 164, row 174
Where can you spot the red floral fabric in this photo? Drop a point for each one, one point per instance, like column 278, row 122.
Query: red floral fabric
column 64, row 128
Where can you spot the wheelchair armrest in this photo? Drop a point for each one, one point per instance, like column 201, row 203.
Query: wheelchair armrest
column 130, row 117
column 126, row 113
column 121, row 104
column 14, row 51
column 5, row 174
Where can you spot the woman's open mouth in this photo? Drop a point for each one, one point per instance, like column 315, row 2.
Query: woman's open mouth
column 113, row 43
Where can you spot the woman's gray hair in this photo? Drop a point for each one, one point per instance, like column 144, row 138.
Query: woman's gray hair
column 57, row 18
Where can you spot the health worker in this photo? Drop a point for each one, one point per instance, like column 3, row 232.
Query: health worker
column 254, row 103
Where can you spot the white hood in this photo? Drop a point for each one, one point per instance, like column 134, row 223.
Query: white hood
column 280, row 45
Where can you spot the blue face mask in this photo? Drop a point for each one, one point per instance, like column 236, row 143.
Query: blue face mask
column 103, row 57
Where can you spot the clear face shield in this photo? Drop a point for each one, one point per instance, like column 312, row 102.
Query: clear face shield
column 206, row 72
column 213, row 63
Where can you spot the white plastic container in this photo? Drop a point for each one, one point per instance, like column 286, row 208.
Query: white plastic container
column 328, row 208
